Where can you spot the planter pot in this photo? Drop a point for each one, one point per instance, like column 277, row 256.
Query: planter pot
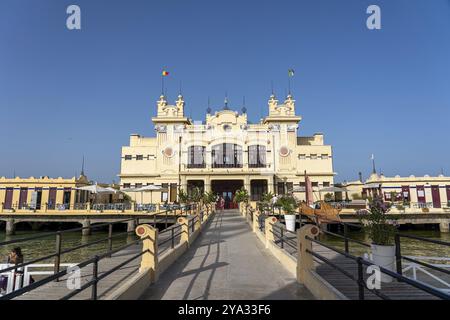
column 384, row 256
column 290, row 222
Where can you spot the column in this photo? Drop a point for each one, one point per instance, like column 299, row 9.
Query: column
column 10, row 227
column 131, row 225
column 444, row 226
column 86, row 223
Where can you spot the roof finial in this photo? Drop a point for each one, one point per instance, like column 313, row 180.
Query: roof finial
column 374, row 171
column 226, row 102
column 208, row 110
column 82, row 166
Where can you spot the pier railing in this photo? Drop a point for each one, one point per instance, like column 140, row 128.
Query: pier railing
column 283, row 243
column 361, row 262
column 14, row 272
column 122, row 207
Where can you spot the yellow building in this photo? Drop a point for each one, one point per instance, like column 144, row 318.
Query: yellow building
column 416, row 192
column 42, row 193
column 225, row 153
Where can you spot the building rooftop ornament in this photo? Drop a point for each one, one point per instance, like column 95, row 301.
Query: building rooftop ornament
column 225, row 107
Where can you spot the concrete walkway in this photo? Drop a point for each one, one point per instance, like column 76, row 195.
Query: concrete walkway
column 227, row 261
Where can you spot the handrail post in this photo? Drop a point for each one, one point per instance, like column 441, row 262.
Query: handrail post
column 269, row 229
column 184, row 229
column 360, row 279
column 305, row 261
column 255, row 220
column 346, row 237
column 172, row 237
column 167, row 211
column 110, row 240
column 94, row 278
column 398, row 255
column 198, row 222
column 281, row 238
column 58, row 254
column 149, row 262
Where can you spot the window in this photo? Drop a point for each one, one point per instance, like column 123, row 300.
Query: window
column 257, row 189
column 315, row 184
column 257, row 156
column 324, row 156
column 128, row 157
column 326, row 184
column 126, row 185
column 302, row 184
column 285, row 187
column 302, row 156
column 139, row 157
column 138, row 185
column 313, row 156
column 226, row 155
column 196, row 157
column 165, row 194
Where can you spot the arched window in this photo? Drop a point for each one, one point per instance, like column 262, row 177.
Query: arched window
column 226, row 155
column 196, row 157
column 256, row 156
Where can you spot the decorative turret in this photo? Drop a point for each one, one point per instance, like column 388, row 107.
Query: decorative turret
column 170, row 113
column 284, row 112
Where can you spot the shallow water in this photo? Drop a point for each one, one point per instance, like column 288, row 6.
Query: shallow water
column 41, row 247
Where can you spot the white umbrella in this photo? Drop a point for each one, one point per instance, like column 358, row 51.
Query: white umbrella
column 148, row 188
column 333, row 189
column 96, row 189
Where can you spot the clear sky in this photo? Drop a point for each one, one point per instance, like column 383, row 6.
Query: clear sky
column 68, row 93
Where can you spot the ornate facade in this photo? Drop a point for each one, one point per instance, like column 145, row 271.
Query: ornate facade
column 226, row 152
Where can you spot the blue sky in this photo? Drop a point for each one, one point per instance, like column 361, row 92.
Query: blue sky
column 68, row 93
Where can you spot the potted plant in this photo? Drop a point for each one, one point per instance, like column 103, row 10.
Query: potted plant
column 209, row 199
column 241, row 197
column 288, row 204
column 381, row 230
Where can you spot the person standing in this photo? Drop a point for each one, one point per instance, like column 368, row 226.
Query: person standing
column 221, row 203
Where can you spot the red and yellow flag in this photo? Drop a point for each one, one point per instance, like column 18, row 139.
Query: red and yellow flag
column 165, row 73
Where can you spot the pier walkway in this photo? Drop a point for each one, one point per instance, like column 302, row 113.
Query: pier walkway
column 227, row 262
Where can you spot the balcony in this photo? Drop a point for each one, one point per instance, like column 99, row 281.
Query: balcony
column 226, row 165
column 196, row 165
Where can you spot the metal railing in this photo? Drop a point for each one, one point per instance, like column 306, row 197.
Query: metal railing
column 398, row 257
column 284, row 238
column 359, row 280
column 57, row 273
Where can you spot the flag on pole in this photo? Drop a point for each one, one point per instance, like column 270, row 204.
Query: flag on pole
column 291, row 72
column 372, row 157
column 165, row 73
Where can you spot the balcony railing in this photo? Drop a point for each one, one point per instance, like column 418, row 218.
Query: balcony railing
column 196, row 165
column 257, row 165
column 227, row 165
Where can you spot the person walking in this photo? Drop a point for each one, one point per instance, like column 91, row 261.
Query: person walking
column 221, row 204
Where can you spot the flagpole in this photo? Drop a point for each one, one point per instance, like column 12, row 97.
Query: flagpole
column 162, row 84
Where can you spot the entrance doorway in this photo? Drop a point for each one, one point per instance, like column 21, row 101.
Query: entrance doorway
column 227, row 189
